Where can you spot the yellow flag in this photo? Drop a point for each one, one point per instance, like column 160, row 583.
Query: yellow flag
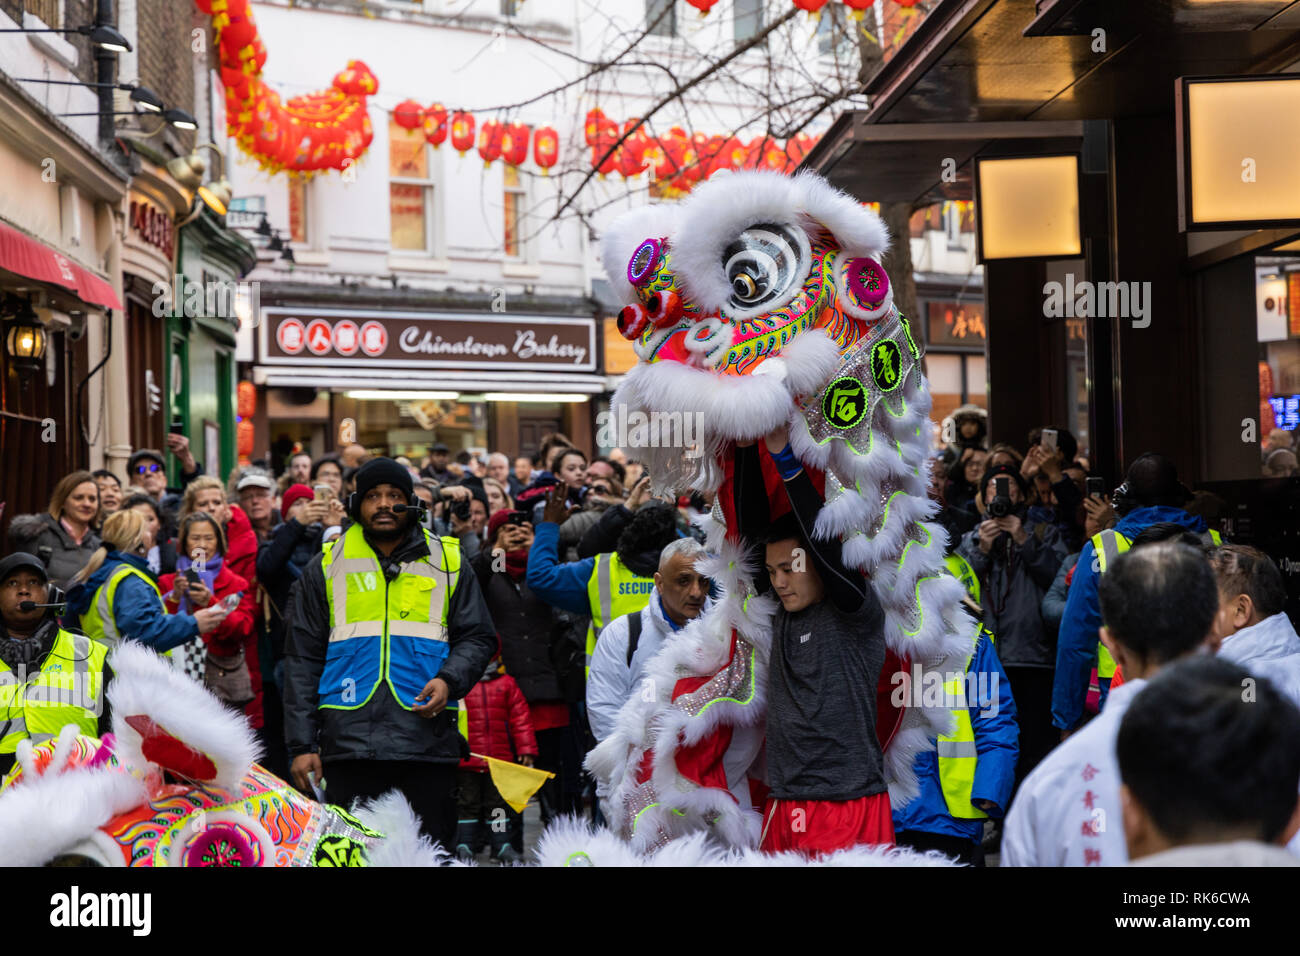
column 515, row 782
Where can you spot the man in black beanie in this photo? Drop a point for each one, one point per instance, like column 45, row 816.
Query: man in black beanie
column 385, row 634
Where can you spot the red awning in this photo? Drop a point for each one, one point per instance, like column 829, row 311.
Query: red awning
column 29, row 257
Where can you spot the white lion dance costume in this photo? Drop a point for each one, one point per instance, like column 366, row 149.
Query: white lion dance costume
column 760, row 301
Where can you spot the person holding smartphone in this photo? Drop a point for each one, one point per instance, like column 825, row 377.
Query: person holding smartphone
column 1016, row 559
column 203, row 580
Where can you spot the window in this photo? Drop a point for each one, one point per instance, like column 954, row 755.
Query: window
column 749, row 19
column 834, row 35
column 515, row 199
column 47, row 10
column 410, row 190
column 298, row 217
column 661, row 18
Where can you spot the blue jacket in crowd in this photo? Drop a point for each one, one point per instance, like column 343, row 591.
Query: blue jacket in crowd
column 997, row 741
column 1076, row 647
column 560, row 584
column 137, row 611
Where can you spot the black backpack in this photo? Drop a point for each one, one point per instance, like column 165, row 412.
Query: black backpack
column 633, row 634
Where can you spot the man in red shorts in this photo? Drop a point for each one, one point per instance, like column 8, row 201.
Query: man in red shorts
column 824, row 761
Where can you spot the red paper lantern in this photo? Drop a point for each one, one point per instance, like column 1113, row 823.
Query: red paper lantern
column 546, row 148
column 490, row 136
column 591, row 129
column 462, row 131
column 814, row 7
column 702, row 5
column 244, row 437
column 356, row 80
column 408, row 114
column 774, row 157
column 259, row 56
column 858, row 7
column 606, row 136
column 240, row 32
column 246, row 400
column 514, row 143
column 435, row 124
column 631, row 158
column 798, row 147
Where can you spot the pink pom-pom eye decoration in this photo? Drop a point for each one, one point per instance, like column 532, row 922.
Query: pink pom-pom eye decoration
column 220, row 846
column 641, row 266
column 868, row 282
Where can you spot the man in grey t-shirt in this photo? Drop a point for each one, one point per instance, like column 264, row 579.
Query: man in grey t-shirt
column 824, row 761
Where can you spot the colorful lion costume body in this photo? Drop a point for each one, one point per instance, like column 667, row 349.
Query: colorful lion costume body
column 756, row 303
column 176, row 784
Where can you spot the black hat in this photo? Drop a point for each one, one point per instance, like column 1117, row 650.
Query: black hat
column 475, row 485
column 21, row 559
column 153, row 453
column 439, row 447
column 382, row 471
column 1152, row 479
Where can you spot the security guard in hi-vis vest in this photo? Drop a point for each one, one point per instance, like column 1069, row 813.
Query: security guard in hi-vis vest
column 49, row 677
column 388, row 630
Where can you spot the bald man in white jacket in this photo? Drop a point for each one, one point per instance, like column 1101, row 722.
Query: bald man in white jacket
column 680, row 595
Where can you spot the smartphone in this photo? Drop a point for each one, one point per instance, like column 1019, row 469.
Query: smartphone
column 1048, row 439
column 177, row 427
column 323, row 492
column 1096, row 487
column 231, row 601
column 517, row 517
column 192, row 576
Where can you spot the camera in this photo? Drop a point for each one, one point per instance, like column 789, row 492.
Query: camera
column 1001, row 504
column 578, row 496
column 460, row 509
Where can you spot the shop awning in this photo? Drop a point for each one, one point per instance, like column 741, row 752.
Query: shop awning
column 32, row 259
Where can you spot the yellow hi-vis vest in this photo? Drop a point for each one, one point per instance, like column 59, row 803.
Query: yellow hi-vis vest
column 68, row 689
column 957, row 753
column 99, row 623
column 1108, row 546
column 613, row 590
column 960, row 569
column 385, row 631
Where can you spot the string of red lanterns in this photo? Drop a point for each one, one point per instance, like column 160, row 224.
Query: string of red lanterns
column 676, row 160
column 328, row 129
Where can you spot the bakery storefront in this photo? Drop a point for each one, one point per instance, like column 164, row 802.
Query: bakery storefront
column 397, row 382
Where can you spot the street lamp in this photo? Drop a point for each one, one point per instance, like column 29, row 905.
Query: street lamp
column 25, row 339
column 143, row 97
column 102, row 36
column 178, row 118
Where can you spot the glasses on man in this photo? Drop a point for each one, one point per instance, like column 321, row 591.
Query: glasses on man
column 150, row 469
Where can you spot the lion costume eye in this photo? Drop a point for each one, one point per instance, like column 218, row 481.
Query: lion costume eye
column 764, row 265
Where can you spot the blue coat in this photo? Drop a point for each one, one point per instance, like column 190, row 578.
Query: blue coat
column 997, row 741
column 560, row 584
column 137, row 611
column 1076, row 647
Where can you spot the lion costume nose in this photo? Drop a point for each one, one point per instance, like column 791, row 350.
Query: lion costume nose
column 632, row 320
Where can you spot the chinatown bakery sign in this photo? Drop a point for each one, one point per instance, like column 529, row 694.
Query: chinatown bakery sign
column 343, row 338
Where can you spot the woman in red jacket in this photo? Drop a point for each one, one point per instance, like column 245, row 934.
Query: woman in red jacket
column 208, row 495
column 494, row 716
column 201, row 547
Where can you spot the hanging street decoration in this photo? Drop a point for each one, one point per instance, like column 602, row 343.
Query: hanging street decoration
column 328, row 129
